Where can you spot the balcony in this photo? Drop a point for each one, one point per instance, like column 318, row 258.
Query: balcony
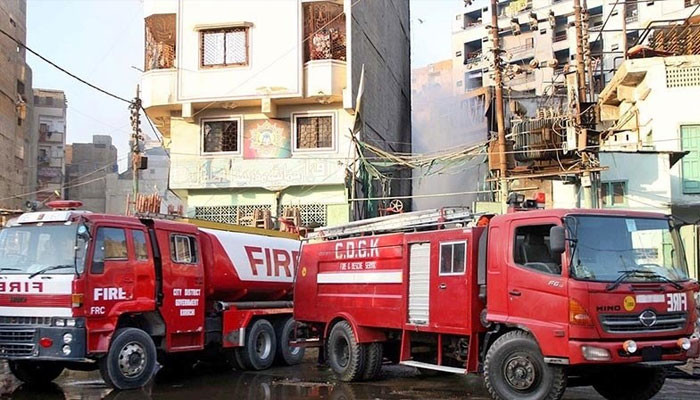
column 324, row 50
column 473, row 58
column 559, row 36
column 324, row 78
column 158, row 87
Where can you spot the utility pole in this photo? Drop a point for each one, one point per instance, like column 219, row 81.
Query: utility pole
column 498, row 78
column 135, row 108
column 586, row 179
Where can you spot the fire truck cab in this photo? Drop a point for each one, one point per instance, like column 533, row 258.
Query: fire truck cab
column 534, row 299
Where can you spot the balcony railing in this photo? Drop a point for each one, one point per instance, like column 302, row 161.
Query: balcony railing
column 473, row 57
column 324, row 31
column 560, row 36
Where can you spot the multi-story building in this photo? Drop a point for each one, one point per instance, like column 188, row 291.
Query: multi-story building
column 538, row 38
column 17, row 143
column 88, row 169
column 257, row 101
column 50, row 120
column 152, row 180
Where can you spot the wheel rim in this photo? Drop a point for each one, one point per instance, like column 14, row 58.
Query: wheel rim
column 263, row 345
column 342, row 352
column 132, row 359
column 520, row 372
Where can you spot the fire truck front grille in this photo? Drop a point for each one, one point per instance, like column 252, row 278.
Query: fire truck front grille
column 643, row 322
column 25, row 320
column 16, row 342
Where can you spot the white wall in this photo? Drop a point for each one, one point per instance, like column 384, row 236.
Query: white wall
column 274, row 49
column 647, row 176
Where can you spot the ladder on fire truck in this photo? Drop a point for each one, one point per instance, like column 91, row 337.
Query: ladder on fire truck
column 400, row 222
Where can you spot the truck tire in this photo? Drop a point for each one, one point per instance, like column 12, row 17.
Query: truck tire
column 284, row 329
column 346, row 357
column 35, row 372
column 260, row 346
column 130, row 362
column 373, row 361
column 515, row 369
column 630, row 383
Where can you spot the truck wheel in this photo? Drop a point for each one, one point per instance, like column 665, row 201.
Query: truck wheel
column 35, row 372
column 260, row 346
column 130, row 362
column 515, row 369
column 633, row 383
column 346, row 357
column 284, row 329
column 373, row 361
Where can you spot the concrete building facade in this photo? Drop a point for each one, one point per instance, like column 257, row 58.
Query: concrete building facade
column 256, row 100
column 88, row 170
column 17, row 142
column 50, row 121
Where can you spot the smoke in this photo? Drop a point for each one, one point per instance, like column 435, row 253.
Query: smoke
column 441, row 121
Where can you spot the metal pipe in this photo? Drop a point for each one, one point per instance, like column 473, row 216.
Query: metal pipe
column 498, row 78
column 251, row 305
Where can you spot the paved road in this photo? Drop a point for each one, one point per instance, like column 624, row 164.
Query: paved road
column 302, row 382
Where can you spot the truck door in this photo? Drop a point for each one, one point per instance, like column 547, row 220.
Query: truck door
column 183, row 290
column 537, row 291
column 449, row 303
column 112, row 278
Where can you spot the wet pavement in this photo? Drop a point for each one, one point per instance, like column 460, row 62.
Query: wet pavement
column 306, row 381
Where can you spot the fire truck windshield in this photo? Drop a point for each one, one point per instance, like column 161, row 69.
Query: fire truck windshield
column 28, row 249
column 610, row 248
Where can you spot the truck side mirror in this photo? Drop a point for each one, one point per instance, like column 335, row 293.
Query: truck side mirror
column 557, row 240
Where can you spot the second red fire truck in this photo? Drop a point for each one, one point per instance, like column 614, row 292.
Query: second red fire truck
column 534, row 299
column 96, row 291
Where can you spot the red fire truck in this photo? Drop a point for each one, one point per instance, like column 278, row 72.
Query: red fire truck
column 534, row 299
column 80, row 290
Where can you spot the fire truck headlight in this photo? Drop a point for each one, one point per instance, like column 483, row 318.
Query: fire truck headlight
column 630, row 346
column 591, row 353
column 60, row 322
column 67, row 338
column 70, row 322
column 66, row 350
column 684, row 343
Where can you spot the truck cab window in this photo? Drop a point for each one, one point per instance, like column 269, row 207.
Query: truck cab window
column 140, row 249
column 531, row 249
column 183, row 249
column 452, row 258
column 110, row 244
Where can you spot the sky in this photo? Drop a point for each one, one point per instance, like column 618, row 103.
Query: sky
column 102, row 41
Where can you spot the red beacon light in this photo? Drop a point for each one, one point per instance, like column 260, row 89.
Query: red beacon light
column 59, row 205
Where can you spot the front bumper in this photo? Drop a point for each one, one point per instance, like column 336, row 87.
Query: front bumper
column 18, row 342
column 648, row 351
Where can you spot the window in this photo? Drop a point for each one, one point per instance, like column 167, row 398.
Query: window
column 183, row 249
column 613, row 194
column 313, row 132
column 224, row 47
column 110, row 244
column 690, row 141
column 453, row 258
column 221, row 136
column 140, row 249
column 531, row 249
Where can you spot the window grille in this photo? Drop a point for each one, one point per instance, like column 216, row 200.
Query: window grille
column 220, row 136
column 160, row 42
column 234, row 214
column 223, row 47
column 312, row 215
column 314, row 132
column 324, row 31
